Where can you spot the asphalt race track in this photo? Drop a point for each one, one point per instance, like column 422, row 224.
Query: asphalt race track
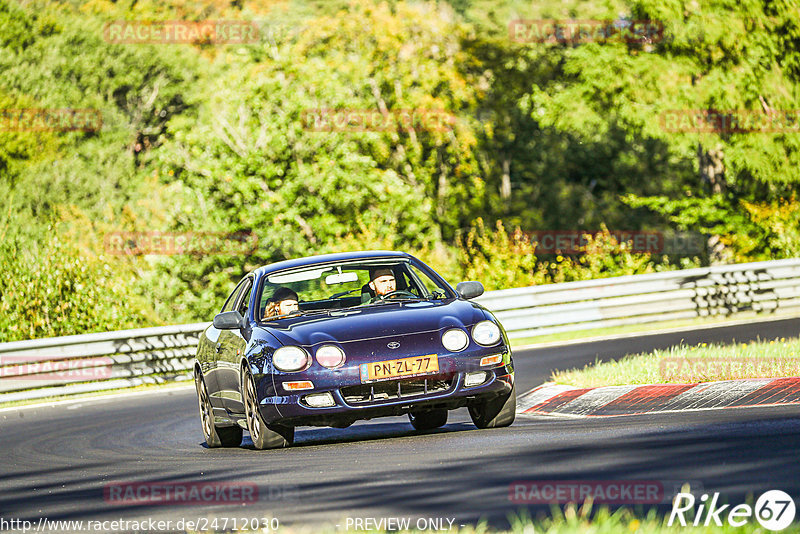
column 57, row 461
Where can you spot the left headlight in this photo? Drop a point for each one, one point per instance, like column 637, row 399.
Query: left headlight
column 486, row 333
column 455, row 340
column 290, row 359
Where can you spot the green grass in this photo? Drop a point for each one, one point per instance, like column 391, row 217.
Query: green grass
column 691, row 364
column 574, row 519
column 571, row 519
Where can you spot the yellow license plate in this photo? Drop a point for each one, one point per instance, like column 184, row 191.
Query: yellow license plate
column 405, row 367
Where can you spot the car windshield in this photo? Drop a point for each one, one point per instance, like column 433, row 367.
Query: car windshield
column 334, row 286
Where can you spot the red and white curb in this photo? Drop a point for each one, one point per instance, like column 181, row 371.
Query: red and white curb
column 632, row 400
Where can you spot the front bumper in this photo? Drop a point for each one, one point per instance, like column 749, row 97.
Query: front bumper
column 356, row 401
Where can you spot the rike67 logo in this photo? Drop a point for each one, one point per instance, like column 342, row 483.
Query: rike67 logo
column 774, row 510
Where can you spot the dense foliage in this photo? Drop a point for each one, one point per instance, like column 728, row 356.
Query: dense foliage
column 216, row 138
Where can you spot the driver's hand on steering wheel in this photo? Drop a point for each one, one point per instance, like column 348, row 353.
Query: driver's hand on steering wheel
column 392, row 294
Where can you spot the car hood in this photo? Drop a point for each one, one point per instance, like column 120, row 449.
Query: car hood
column 370, row 322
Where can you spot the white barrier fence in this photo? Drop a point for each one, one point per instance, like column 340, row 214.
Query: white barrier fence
column 94, row 362
column 763, row 287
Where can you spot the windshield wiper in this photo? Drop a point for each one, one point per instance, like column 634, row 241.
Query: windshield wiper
column 311, row 312
column 298, row 313
column 343, row 293
column 395, row 300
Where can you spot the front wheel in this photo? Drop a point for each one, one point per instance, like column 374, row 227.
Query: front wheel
column 428, row 420
column 216, row 436
column 495, row 413
column 263, row 436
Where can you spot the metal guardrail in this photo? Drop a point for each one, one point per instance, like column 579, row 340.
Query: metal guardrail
column 95, row 362
column 765, row 287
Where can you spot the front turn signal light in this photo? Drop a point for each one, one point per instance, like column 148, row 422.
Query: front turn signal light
column 491, row 360
column 299, row 385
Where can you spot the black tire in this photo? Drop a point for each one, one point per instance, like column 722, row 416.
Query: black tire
column 428, row 420
column 495, row 413
column 216, row 436
column 263, row 436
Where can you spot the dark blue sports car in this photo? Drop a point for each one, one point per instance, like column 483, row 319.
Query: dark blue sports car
column 329, row 340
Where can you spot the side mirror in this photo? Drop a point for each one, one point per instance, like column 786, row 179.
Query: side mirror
column 229, row 320
column 469, row 290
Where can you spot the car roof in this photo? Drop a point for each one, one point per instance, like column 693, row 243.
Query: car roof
column 326, row 258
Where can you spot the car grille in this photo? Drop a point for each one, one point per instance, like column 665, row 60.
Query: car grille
column 394, row 390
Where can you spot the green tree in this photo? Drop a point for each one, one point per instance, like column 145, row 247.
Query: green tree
column 714, row 56
column 253, row 162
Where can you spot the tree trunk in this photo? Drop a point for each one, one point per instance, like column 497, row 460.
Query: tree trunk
column 505, row 184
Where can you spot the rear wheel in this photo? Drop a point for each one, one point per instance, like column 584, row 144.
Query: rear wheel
column 495, row 413
column 263, row 436
column 216, row 436
column 428, row 420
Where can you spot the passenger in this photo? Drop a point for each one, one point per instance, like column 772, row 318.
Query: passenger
column 282, row 302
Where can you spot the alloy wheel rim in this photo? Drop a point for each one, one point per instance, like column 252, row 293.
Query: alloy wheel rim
column 205, row 416
column 252, row 420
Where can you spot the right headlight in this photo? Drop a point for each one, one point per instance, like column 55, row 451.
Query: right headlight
column 330, row 356
column 455, row 340
column 486, row 333
column 291, row 358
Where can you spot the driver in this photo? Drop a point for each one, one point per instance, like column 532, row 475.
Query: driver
column 382, row 281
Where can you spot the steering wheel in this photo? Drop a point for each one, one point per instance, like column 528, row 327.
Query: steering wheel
column 397, row 293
